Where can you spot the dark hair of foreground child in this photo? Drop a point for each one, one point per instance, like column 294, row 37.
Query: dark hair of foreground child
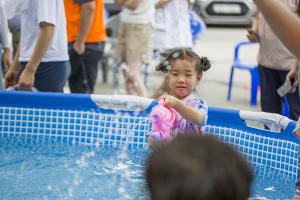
column 193, row 167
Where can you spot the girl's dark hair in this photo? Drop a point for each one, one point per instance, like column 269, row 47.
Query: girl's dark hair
column 201, row 63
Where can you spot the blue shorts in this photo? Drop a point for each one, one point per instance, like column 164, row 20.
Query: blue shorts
column 50, row 76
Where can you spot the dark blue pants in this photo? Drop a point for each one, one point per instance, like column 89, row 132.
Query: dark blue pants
column 270, row 81
column 84, row 68
column 50, row 76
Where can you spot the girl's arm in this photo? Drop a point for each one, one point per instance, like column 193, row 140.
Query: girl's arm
column 284, row 23
column 26, row 79
column 191, row 114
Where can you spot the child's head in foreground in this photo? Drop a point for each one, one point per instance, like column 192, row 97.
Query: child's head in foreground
column 193, row 167
column 184, row 69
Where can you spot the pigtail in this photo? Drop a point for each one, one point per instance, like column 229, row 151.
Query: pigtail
column 163, row 66
column 204, row 63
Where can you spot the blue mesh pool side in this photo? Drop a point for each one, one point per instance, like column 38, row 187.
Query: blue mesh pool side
column 76, row 119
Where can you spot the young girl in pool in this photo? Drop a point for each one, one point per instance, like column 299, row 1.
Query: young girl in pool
column 179, row 110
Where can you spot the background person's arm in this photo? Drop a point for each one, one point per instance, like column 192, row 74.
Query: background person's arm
column 26, row 79
column 292, row 75
column 161, row 3
column 87, row 11
column 4, row 31
column 284, row 23
column 11, row 74
column 129, row 4
column 254, row 27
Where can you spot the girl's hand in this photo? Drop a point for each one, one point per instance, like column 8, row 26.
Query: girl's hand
column 169, row 101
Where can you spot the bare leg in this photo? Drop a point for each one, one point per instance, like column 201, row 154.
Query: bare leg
column 134, row 82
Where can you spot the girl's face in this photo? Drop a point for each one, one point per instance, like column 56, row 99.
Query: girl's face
column 183, row 78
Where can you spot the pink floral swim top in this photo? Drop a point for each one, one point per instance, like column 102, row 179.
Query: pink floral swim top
column 181, row 125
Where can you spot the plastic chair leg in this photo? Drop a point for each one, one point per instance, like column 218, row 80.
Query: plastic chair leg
column 104, row 64
column 146, row 75
column 285, row 107
column 230, row 84
column 254, row 86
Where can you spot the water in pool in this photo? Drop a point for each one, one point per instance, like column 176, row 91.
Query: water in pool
column 81, row 172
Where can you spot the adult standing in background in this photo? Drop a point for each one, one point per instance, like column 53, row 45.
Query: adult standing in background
column 43, row 50
column 86, row 38
column 274, row 63
column 14, row 10
column 6, row 57
column 285, row 24
column 172, row 25
column 287, row 27
column 134, row 46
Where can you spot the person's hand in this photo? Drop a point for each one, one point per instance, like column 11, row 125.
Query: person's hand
column 26, row 79
column 79, row 47
column 10, row 77
column 169, row 101
column 7, row 59
column 251, row 37
column 291, row 77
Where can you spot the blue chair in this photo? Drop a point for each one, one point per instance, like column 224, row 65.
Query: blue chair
column 251, row 68
column 198, row 27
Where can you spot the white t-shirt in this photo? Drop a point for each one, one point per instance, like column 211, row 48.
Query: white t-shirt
column 143, row 14
column 33, row 13
column 272, row 52
column 4, row 40
column 13, row 8
column 172, row 26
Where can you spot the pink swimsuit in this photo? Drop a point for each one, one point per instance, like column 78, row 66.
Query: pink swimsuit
column 167, row 123
column 182, row 125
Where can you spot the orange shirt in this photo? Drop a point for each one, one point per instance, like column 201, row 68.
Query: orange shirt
column 97, row 32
